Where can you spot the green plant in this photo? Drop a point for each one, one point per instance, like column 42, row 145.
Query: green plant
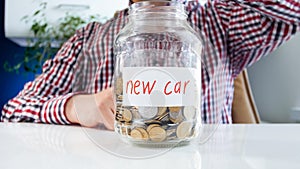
column 47, row 39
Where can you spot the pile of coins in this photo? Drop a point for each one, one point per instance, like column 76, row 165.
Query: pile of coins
column 154, row 124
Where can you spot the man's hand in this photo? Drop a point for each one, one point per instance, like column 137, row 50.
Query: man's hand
column 92, row 110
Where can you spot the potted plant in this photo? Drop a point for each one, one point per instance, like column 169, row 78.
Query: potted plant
column 47, row 39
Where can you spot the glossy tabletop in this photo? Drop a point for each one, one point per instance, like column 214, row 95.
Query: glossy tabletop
column 264, row 146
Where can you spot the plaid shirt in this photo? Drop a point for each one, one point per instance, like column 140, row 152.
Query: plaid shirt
column 241, row 31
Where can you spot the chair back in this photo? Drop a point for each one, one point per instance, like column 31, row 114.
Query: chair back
column 244, row 109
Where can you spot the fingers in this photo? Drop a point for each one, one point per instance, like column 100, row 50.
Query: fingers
column 83, row 108
column 92, row 110
column 106, row 107
column 108, row 118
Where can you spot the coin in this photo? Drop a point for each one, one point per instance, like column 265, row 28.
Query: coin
column 119, row 86
column 148, row 112
column 136, row 134
column 189, row 112
column 135, row 113
column 175, row 114
column 118, row 117
column 144, row 133
column 161, row 111
column 174, row 109
column 157, row 134
column 163, row 117
column 139, row 134
column 176, row 117
column 151, row 126
column 126, row 115
column 154, row 121
column 184, row 129
column 120, row 98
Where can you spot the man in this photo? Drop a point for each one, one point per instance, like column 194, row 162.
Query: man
column 242, row 31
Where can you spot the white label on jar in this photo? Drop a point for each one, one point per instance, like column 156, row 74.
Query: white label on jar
column 161, row 86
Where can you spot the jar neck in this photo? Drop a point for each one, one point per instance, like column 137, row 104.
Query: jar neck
column 158, row 10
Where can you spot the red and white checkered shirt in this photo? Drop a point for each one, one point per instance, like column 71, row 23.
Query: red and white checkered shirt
column 241, row 32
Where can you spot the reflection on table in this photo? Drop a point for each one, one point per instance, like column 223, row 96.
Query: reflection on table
column 24, row 145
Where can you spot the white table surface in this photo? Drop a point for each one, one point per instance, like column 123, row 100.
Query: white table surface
column 264, row 146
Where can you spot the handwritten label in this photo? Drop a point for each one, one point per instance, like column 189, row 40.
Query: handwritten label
column 161, row 86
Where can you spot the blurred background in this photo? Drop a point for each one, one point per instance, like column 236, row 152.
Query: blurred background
column 11, row 83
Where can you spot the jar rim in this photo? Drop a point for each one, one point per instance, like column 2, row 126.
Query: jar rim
column 161, row 6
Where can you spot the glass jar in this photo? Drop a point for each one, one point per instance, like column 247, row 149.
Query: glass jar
column 157, row 77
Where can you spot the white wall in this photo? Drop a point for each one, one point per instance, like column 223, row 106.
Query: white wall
column 275, row 82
